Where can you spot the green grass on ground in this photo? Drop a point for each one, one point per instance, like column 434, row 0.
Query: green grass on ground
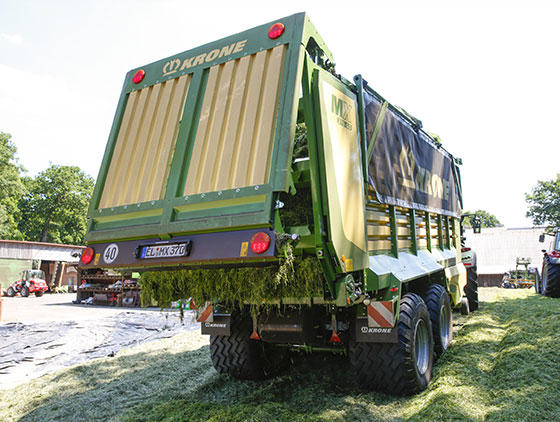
column 504, row 365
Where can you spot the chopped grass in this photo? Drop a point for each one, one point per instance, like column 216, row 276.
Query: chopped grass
column 503, row 365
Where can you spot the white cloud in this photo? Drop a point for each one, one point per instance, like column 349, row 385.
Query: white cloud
column 15, row 39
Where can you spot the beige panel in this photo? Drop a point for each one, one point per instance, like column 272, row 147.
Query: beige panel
column 262, row 146
column 379, row 245
column 145, row 143
column 249, row 119
column 200, row 144
column 234, row 140
column 110, row 180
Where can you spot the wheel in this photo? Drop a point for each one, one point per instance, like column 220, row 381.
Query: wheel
column 11, row 292
column 471, row 289
column 439, row 308
column 242, row 357
column 550, row 278
column 39, row 293
column 464, row 306
column 24, row 291
column 398, row 368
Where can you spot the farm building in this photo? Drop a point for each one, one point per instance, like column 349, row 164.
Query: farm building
column 498, row 248
column 57, row 261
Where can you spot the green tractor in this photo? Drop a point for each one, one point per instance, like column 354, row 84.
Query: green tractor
column 520, row 278
column 549, row 284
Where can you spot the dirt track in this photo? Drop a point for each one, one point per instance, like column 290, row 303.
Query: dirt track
column 41, row 335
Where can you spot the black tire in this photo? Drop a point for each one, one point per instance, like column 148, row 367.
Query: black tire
column 39, row 293
column 471, row 289
column 439, row 306
column 550, row 278
column 398, row 368
column 24, row 291
column 538, row 282
column 465, row 306
column 242, row 357
column 11, row 292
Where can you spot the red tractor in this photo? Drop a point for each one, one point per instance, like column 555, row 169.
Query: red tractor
column 550, row 280
column 32, row 281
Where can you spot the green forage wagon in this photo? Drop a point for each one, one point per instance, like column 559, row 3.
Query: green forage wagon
column 299, row 209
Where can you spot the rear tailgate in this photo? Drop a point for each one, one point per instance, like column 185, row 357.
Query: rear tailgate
column 202, row 142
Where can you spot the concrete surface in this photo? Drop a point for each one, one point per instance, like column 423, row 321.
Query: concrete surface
column 55, row 307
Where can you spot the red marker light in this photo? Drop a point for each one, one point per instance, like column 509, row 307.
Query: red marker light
column 260, row 242
column 87, row 255
column 276, row 30
column 138, row 76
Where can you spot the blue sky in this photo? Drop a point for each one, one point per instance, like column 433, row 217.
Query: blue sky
column 484, row 75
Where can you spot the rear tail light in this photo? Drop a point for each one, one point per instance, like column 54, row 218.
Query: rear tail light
column 465, row 249
column 260, row 242
column 87, row 255
column 554, row 254
column 276, row 30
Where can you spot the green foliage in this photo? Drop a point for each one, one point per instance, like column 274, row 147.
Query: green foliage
column 293, row 278
column 544, row 202
column 486, row 219
column 54, row 209
column 11, row 188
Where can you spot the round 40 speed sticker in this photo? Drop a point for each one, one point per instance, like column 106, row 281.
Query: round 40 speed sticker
column 111, row 253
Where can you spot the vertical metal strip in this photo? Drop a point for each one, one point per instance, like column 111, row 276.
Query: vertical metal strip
column 413, row 237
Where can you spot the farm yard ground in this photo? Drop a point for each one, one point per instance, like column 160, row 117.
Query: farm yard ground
column 503, row 365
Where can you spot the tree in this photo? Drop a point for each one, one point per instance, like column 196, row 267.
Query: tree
column 544, row 202
column 11, row 188
column 55, row 206
column 486, row 219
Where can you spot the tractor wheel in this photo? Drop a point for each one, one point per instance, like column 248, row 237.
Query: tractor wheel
column 11, row 292
column 24, row 291
column 39, row 293
column 550, row 278
column 242, row 357
column 398, row 368
column 538, row 288
column 439, row 307
column 464, row 306
column 471, row 289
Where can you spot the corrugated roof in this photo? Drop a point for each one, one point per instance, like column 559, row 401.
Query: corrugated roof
column 14, row 249
column 498, row 248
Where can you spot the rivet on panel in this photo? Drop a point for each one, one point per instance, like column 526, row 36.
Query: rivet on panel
column 256, row 188
column 100, row 211
column 153, row 202
column 219, row 193
column 203, row 195
column 138, row 205
column 186, row 198
column 125, row 207
column 237, row 190
column 112, row 209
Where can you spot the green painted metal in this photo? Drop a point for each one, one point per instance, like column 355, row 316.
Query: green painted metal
column 413, row 236
column 378, row 124
column 308, row 63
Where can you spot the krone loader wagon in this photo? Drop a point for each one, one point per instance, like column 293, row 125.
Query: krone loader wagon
column 300, row 210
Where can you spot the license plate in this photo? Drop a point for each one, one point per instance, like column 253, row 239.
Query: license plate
column 165, row 251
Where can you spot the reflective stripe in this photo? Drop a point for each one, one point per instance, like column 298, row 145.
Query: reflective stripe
column 380, row 314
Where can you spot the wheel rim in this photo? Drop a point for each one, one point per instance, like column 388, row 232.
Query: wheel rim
column 444, row 326
column 422, row 346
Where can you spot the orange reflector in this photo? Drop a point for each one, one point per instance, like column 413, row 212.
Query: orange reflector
column 260, row 242
column 87, row 255
column 276, row 30
column 255, row 335
column 138, row 76
column 335, row 338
